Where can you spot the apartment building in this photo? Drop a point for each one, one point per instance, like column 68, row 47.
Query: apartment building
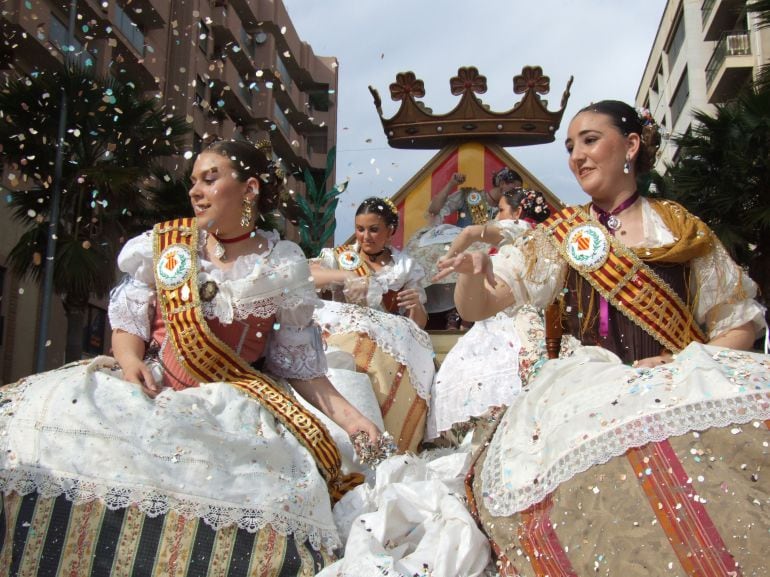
column 703, row 53
column 228, row 66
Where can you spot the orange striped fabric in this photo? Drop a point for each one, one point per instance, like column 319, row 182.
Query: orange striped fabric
column 688, row 526
column 208, row 359
column 541, row 543
column 631, row 286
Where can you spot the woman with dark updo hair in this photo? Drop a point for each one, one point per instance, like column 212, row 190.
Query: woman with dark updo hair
column 638, row 418
column 377, row 316
column 191, row 445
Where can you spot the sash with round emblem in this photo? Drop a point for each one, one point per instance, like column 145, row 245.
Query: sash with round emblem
column 622, row 278
column 349, row 260
column 207, row 358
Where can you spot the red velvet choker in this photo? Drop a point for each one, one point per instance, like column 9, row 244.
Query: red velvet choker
column 219, row 248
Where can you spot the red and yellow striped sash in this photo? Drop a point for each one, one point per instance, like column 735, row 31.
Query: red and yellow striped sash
column 630, row 285
column 208, row 359
column 341, row 252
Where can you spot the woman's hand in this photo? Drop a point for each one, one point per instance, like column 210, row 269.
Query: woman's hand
column 129, row 351
column 409, row 299
column 365, row 425
column 136, row 371
column 356, row 289
column 458, row 177
column 652, row 362
column 472, row 263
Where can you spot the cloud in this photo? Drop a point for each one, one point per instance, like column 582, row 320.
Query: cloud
column 604, row 44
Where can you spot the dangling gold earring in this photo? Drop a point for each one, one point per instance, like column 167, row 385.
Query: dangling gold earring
column 627, row 166
column 246, row 213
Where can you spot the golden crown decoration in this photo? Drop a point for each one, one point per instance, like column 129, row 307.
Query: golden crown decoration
column 528, row 122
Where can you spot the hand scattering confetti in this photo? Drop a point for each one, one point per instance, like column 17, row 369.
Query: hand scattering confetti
column 372, row 454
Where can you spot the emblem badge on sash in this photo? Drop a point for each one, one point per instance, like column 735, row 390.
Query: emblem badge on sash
column 174, row 266
column 474, row 198
column 349, row 260
column 587, row 247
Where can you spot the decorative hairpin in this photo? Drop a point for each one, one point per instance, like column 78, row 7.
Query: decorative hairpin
column 263, row 145
column 390, row 205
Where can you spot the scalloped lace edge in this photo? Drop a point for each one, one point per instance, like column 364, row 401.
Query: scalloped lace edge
column 614, row 443
column 154, row 503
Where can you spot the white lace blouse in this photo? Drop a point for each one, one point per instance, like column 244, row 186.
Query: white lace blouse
column 276, row 282
column 722, row 292
column 403, row 273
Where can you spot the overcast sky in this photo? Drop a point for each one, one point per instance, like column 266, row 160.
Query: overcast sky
column 604, row 44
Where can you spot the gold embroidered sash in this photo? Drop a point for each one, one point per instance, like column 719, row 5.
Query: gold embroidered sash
column 208, row 359
column 476, row 202
column 623, row 279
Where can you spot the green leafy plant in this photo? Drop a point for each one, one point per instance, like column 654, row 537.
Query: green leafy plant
column 315, row 217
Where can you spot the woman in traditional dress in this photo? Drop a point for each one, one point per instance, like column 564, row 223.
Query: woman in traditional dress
column 481, row 371
column 377, row 315
column 640, row 452
column 472, row 208
column 184, row 423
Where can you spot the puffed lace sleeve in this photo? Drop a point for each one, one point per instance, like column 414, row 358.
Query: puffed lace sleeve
column 532, row 268
column 132, row 301
column 510, row 230
column 326, row 259
column 295, row 349
column 725, row 294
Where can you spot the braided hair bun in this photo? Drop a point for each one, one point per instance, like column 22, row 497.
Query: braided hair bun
column 532, row 202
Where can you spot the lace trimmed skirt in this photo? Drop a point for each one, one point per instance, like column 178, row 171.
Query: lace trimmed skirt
column 98, row 479
column 603, row 468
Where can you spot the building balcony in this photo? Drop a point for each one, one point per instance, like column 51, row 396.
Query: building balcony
column 730, row 66
column 718, row 16
column 126, row 66
column 240, row 102
column 228, row 33
column 150, row 14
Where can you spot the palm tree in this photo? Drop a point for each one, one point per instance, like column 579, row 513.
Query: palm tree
column 114, row 141
column 723, row 175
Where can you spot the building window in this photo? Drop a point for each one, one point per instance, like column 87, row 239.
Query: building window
column 283, row 72
column 319, row 100
column 248, row 43
column 681, row 95
column 281, row 120
column 203, row 37
column 677, row 41
column 57, row 34
column 93, row 334
column 130, row 29
column 200, row 90
column 317, row 144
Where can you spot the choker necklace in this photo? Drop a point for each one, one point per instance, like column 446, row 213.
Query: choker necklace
column 374, row 257
column 610, row 218
column 219, row 247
